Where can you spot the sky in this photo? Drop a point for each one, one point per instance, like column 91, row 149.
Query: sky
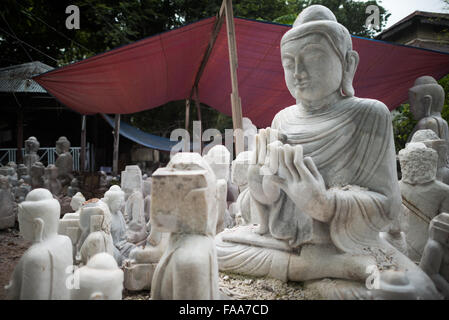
column 399, row 9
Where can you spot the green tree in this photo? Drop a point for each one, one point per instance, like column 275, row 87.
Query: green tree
column 352, row 14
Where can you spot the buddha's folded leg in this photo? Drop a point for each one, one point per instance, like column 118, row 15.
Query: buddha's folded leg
column 324, row 261
column 252, row 260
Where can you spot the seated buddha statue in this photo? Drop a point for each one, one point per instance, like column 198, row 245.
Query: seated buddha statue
column 323, row 176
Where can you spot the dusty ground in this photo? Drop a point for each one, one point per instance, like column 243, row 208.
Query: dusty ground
column 12, row 246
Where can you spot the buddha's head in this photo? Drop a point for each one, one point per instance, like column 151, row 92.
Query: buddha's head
column 22, row 170
column 39, row 215
column 95, row 208
column 219, row 159
column 418, row 163
column 431, row 140
column 317, row 56
column 114, row 198
column 4, row 183
column 425, row 97
column 439, row 229
column 37, row 170
column 31, row 145
column 52, row 171
column 100, row 279
column 77, row 201
column 62, row 145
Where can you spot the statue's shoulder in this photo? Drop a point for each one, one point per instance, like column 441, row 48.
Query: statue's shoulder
column 372, row 106
column 286, row 113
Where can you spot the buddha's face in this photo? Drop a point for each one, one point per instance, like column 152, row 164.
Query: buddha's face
column 312, row 68
column 115, row 203
column 416, row 107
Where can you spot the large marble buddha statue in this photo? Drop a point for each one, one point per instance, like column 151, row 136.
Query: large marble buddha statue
column 323, row 177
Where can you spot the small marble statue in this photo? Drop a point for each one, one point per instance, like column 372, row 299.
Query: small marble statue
column 423, row 196
column 219, row 159
column 21, row 191
column 69, row 224
column 7, row 216
column 426, row 103
column 99, row 279
column 37, row 173
column 52, row 182
column 98, row 222
column 42, row 270
column 115, row 198
column 74, row 187
column 431, row 140
column 435, row 258
column 64, row 162
column 31, row 156
column 22, row 173
column 9, row 172
column 239, row 176
column 135, row 206
column 147, row 199
column 249, row 133
column 323, row 177
column 184, row 204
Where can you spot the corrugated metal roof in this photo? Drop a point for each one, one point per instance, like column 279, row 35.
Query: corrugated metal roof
column 18, row 78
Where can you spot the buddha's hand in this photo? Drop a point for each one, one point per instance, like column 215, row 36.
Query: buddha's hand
column 262, row 189
column 300, row 179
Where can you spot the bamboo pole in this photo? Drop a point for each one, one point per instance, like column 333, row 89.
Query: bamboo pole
column 233, row 64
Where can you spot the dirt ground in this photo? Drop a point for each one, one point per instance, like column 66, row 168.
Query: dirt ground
column 12, row 246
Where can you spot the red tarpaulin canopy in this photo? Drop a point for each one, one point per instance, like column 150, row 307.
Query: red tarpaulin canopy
column 162, row 68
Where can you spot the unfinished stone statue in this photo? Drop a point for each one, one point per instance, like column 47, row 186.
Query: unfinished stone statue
column 22, row 173
column 431, row 140
column 147, row 199
column 426, row 103
column 239, row 176
column 135, row 206
column 183, row 202
column 21, row 191
column 423, row 196
column 31, row 156
column 99, row 279
column 64, row 162
column 115, row 198
column 98, row 220
column 7, row 216
column 249, row 133
column 435, row 258
column 323, row 178
column 41, row 272
column 51, row 182
column 219, row 159
column 69, row 224
column 10, row 172
column 37, row 173
column 74, row 187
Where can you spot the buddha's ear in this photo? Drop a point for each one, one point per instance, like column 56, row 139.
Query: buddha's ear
column 426, row 102
column 38, row 226
column 350, row 66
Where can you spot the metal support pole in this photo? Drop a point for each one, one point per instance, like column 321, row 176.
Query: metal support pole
column 83, row 145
